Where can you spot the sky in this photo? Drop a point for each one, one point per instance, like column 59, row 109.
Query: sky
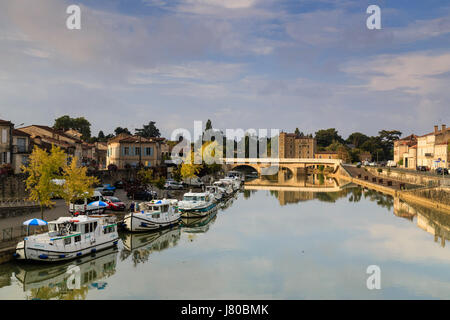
column 263, row 64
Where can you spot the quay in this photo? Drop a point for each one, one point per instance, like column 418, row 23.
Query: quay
column 401, row 189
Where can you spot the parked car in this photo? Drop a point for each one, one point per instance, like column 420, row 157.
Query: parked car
column 84, row 206
column 146, row 195
column 115, row 204
column 442, row 171
column 119, row 184
column 194, row 181
column 173, row 185
column 391, row 163
column 373, row 164
column 421, row 168
column 105, row 191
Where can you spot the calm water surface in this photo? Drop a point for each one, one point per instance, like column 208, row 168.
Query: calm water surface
column 264, row 245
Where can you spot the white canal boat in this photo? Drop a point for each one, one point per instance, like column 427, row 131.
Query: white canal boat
column 216, row 191
column 69, row 238
column 153, row 215
column 226, row 186
column 196, row 205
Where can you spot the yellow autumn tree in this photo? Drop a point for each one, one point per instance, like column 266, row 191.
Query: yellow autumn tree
column 78, row 185
column 42, row 168
column 188, row 168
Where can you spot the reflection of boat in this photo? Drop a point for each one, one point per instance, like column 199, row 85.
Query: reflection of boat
column 141, row 245
column 198, row 225
column 69, row 238
column 153, row 215
column 154, row 240
column 73, row 277
column 196, row 205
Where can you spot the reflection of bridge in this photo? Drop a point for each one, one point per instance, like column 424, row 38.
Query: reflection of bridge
column 285, row 182
column 269, row 166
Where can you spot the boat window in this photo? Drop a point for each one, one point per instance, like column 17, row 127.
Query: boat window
column 165, row 208
column 52, row 227
column 86, row 228
column 67, row 241
column 77, row 238
column 91, row 227
column 156, row 215
column 95, row 225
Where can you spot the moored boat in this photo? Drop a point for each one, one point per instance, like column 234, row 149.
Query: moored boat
column 195, row 205
column 152, row 215
column 69, row 238
column 216, row 191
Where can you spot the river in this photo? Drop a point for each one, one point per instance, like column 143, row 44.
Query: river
column 270, row 242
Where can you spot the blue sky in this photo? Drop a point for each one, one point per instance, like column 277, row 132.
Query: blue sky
column 241, row 63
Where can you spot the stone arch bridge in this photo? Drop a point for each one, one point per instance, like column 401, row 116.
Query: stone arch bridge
column 271, row 166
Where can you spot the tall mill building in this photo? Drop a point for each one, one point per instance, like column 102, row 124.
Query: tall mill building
column 292, row 146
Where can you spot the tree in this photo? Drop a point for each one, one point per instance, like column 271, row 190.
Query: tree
column 357, row 139
column 42, row 168
column 208, row 125
column 145, row 176
column 80, row 124
column 120, row 130
column 101, row 136
column 149, row 131
column 326, row 137
column 77, row 184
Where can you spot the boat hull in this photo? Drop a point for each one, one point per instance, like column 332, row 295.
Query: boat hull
column 197, row 212
column 23, row 252
column 134, row 223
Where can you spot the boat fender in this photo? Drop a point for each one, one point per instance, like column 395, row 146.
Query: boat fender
column 43, row 256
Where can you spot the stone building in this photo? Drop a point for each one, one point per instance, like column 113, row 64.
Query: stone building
column 127, row 150
column 402, row 150
column 432, row 148
column 21, row 149
column 326, row 155
column 291, row 146
column 6, row 142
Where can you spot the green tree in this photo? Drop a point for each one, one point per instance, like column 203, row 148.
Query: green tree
column 208, row 125
column 80, row 124
column 357, row 139
column 149, row 131
column 120, row 130
column 326, row 137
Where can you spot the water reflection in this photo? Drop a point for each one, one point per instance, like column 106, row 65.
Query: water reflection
column 141, row 245
column 327, row 245
column 71, row 280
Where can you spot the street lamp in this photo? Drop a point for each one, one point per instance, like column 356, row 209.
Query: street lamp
column 140, row 148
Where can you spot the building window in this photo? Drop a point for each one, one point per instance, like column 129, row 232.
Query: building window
column 126, row 151
column 4, row 135
column 137, row 150
column 149, row 151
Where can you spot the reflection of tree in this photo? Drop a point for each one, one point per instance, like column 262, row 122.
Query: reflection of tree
column 248, row 193
column 383, row 200
column 356, row 195
column 59, row 292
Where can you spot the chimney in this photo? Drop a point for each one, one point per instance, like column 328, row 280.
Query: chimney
column 436, row 129
column 444, row 127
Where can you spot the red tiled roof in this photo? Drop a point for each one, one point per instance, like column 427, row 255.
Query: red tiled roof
column 17, row 132
column 5, row 122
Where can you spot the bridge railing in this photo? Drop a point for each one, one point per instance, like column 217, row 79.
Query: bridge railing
column 281, row 160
